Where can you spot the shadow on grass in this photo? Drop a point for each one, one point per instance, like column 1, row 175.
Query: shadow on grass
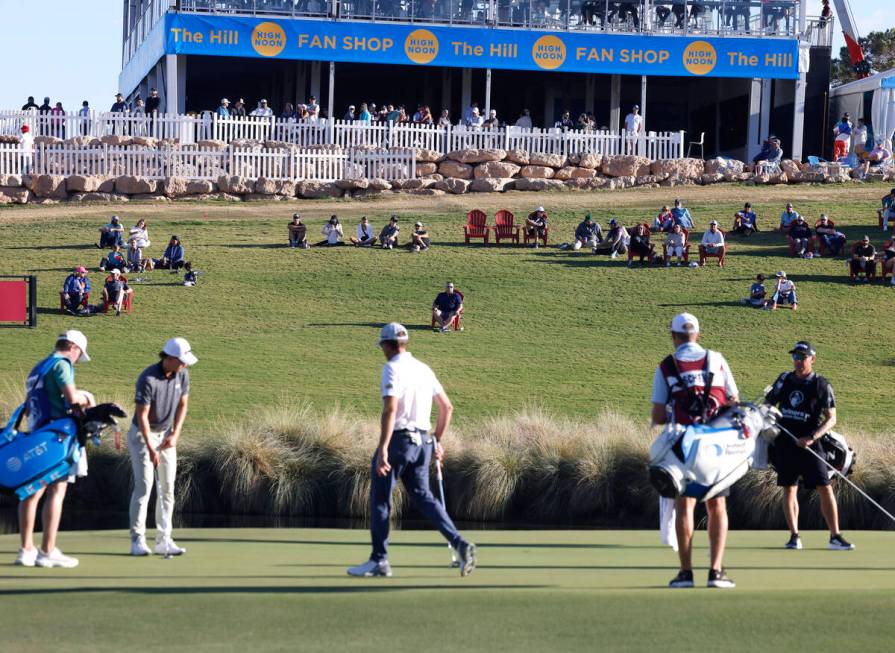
column 732, row 302
column 364, row 588
column 50, row 247
column 254, row 246
column 369, row 325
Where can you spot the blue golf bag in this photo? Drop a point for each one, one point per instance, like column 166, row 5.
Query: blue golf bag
column 32, row 461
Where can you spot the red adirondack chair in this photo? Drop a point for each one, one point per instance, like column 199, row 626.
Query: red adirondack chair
column 128, row 302
column 505, row 227
column 647, row 231
column 818, row 238
column 667, row 256
column 476, row 226
column 526, row 238
column 720, row 255
column 455, row 323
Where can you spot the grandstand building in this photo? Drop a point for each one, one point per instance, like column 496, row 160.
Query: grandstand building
column 735, row 70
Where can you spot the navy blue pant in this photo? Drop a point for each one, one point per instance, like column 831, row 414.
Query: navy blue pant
column 410, row 463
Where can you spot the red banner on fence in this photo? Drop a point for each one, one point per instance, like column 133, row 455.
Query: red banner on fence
column 14, row 301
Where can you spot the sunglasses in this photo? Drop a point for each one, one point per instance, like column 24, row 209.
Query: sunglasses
column 800, row 357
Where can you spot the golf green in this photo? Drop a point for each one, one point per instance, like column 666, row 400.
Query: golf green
column 286, row 589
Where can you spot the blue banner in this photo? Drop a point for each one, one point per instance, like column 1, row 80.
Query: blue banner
column 469, row 47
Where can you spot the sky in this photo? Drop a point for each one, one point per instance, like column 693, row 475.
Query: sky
column 71, row 49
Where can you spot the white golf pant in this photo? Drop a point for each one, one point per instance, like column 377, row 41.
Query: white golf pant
column 144, row 480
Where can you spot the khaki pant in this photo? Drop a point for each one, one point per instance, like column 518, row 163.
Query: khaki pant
column 144, row 480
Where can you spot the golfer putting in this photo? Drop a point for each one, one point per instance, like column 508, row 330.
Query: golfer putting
column 405, row 451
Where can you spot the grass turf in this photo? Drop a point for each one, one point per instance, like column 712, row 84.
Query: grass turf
column 569, row 332
column 286, row 589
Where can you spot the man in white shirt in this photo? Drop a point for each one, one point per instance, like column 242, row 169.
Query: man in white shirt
column 524, row 120
column 262, row 110
column 312, row 108
column 634, row 121
column 405, row 451
column 366, row 237
column 712, row 242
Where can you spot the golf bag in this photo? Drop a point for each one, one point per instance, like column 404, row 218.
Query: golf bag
column 838, row 454
column 701, row 460
column 31, row 461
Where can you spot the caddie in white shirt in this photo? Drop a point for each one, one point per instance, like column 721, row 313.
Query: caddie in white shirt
column 405, row 451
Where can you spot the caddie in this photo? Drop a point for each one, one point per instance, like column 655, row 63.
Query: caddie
column 406, row 447
column 162, row 396
column 680, row 398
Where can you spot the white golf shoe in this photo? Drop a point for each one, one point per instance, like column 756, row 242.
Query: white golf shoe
column 139, row 546
column 55, row 558
column 371, row 568
column 27, row 557
column 167, row 546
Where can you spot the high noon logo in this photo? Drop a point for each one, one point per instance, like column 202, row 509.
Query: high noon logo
column 268, row 39
column 549, row 52
column 700, row 58
column 421, row 46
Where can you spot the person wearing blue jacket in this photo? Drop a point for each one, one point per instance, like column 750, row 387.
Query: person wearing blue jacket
column 681, row 216
column 75, row 290
column 173, row 258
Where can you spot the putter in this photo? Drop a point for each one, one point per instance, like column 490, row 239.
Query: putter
column 158, row 497
column 438, row 475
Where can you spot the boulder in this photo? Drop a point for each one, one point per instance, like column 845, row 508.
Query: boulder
column 424, row 191
column 537, row 172
column 496, row 169
column 130, row 185
column 714, row 166
column 175, row 186
column 47, row 140
column 45, row 201
column 790, row 167
column 413, row 184
column 622, row 182
column 590, row 161
column 434, row 177
column 352, row 184
column 625, row 166
column 455, row 169
column 423, row 169
column 91, row 197
column 266, row 197
column 317, row 189
column 150, row 197
column 277, row 145
column 235, row 184
column 107, row 185
column 428, row 156
column 11, row 180
column 145, row 141
column 286, row 188
column 226, row 197
column 547, row 160
column 491, row 185
column 364, row 193
column 379, row 184
column 577, row 184
column 265, row 186
column 48, row 186
column 647, row 180
column 14, row 195
column 452, row 185
column 112, row 139
column 9, row 139
column 574, row 172
column 689, row 168
column 472, row 155
column 212, row 144
column 519, row 157
column 79, row 141
column 83, row 184
column 707, row 179
column 526, row 183
column 200, row 187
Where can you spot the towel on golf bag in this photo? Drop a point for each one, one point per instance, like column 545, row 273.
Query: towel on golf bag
column 666, row 522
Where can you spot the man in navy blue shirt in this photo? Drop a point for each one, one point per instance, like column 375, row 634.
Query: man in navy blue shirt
column 446, row 306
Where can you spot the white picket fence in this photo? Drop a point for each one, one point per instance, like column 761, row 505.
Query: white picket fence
column 196, row 163
column 188, row 129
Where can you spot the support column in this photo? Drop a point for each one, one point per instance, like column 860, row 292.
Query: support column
column 301, row 82
column 615, row 93
column 466, row 91
column 175, row 83
column 718, row 97
column 643, row 100
column 798, row 122
column 315, row 80
column 767, row 86
column 753, row 131
column 330, row 109
column 590, row 84
column 445, row 90
column 549, row 96
column 487, row 92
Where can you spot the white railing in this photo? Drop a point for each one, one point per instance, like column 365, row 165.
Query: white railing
column 192, row 162
column 344, row 134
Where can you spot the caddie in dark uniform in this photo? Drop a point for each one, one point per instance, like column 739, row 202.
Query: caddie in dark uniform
column 406, row 447
column 689, row 387
column 809, row 412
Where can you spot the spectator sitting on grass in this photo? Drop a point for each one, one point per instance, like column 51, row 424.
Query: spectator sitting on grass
column 787, row 218
column 135, row 262
column 641, row 245
column 114, row 289
column 419, row 238
column 832, row 239
column 365, row 237
column 446, row 306
column 888, row 261
column 114, row 260
column 881, row 153
column 682, row 215
column 800, row 237
column 863, row 260
column 887, row 212
column 675, row 245
column 618, row 239
column 757, row 294
column 589, row 233
column 664, row 220
column 784, row 291
column 745, row 222
column 75, row 290
column 712, row 242
column 111, row 234
column 388, row 237
column 298, row 232
column 172, row 259
column 190, row 277
column 332, row 232
column 536, row 225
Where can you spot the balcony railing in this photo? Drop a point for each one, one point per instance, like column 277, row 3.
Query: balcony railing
column 716, row 17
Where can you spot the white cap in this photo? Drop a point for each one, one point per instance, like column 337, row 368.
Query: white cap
column 393, row 331
column 781, row 274
column 116, row 271
column 76, row 338
column 685, row 323
column 417, row 224
column 180, row 349
column 540, row 209
column 713, row 222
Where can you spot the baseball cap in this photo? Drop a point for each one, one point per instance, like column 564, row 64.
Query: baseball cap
column 781, row 274
column 636, row 106
column 80, row 268
column 76, row 338
column 540, row 209
column 116, row 271
column 803, row 347
column 417, row 224
column 180, row 349
column 115, row 218
column 25, row 129
column 715, row 222
column 393, row 331
column 684, row 323
column 866, row 239
column 612, row 221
